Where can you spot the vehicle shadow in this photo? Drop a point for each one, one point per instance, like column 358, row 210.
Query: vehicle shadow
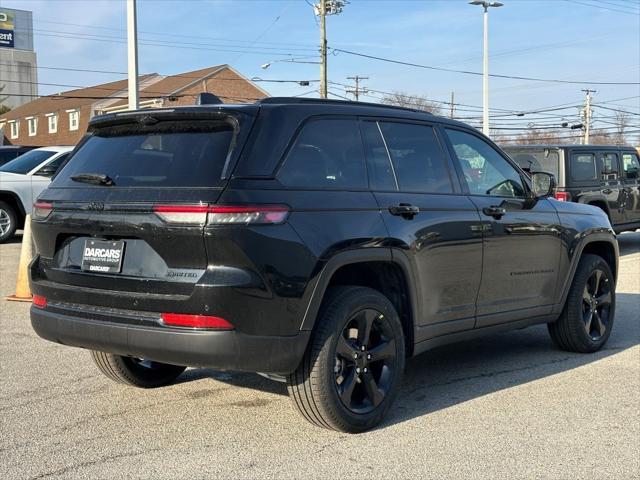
column 17, row 238
column 453, row 374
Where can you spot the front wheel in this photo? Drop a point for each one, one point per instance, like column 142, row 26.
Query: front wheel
column 353, row 366
column 587, row 319
column 135, row 371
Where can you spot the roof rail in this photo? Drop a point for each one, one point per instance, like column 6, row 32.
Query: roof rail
column 298, row 100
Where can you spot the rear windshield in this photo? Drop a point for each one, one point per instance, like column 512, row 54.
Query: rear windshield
column 168, row 154
column 543, row 160
column 27, row 161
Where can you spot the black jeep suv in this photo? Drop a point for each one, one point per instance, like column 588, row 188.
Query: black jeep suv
column 605, row 176
column 319, row 242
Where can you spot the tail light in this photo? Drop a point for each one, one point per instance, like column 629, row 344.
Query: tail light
column 562, row 196
column 41, row 210
column 196, row 321
column 222, row 214
column 39, row 301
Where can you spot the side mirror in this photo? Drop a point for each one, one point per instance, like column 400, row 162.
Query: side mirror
column 543, row 184
column 47, row 171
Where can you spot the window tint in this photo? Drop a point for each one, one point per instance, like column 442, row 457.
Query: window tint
column 610, row 164
column 485, row 170
column 630, row 165
column 171, row 154
column 328, row 153
column 6, row 156
column 418, row 162
column 583, row 166
column 381, row 174
column 27, row 162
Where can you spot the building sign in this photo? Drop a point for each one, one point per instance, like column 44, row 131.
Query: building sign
column 6, row 29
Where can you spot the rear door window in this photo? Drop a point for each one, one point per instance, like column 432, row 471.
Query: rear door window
column 631, row 166
column 583, row 167
column 169, row 154
column 609, row 168
column 418, row 163
column 328, row 153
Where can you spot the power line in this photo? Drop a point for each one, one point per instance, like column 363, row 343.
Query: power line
column 602, row 7
column 467, row 72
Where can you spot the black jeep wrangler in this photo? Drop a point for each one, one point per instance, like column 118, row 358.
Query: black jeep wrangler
column 605, row 176
column 319, row 242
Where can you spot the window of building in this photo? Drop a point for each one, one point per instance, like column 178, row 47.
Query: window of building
column 583, row 166
column 32, row 126
column 327, row 154
column 74, row 119
column 52, row 119
column 15, row 128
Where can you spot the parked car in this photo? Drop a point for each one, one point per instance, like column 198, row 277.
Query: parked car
column 21, row 181
column 318, row 242
column 606, row 176
column 9, row 152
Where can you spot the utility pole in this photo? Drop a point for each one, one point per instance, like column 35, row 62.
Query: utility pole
column 586, row 114
column 356, row 91
column 323, row 49
column 132, row 54
column 453, row 108
column 322, row 9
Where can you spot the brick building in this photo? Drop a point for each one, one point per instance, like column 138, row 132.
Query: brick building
column 62, row 119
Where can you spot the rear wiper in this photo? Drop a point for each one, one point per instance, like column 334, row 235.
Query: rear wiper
column 93, row 178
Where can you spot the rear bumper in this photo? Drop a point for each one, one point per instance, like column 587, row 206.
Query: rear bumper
column 124, row 335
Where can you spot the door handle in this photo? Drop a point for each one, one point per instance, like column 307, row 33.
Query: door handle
column 495, row 212
column 404, row 210
column 607, row 191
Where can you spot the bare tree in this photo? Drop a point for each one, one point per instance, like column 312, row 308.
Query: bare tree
column 621, row 120
column 536, row 136
column 599, row 136
column 402, row 99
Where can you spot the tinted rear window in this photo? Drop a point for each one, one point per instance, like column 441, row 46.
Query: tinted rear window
column 169, row 154
column 328, row 153
column 583, row 166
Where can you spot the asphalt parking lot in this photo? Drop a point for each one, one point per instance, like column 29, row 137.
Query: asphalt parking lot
column 508, row 406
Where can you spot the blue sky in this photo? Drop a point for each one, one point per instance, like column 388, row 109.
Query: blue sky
column 571, row 40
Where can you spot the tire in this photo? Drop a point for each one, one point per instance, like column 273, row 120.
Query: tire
column 320, row 386
column 586, row 321
column 135, row 372
column 8, row 221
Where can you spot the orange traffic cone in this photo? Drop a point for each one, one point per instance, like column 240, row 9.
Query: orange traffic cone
column 23, row 291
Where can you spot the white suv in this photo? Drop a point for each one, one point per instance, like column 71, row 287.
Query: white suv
column 21, row 181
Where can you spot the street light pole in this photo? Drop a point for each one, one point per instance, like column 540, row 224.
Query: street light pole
column 485, row 62
column 132, row 54
column 485, row 72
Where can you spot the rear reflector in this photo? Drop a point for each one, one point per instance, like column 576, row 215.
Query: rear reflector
column 41, row 210
column 562, row 196
column 226, row 214
column 196, row 321
column 39, row 301
column 222, row 214
column 187, row 214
